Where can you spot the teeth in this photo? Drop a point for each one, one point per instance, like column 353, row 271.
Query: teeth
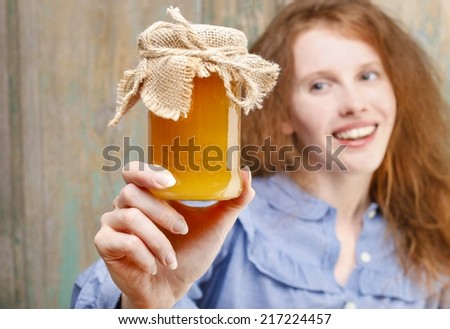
column 356, row 133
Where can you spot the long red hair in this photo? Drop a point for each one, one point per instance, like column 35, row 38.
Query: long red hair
column 412, row 184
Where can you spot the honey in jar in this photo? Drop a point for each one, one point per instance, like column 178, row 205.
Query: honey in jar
column 200, row 150
column 190, row 78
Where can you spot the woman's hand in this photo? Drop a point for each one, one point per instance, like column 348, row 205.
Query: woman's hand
column 155, row 250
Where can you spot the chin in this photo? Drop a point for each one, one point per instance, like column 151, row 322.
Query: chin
column 360, row 171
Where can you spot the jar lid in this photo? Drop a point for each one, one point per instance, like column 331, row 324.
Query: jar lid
column 172, row 54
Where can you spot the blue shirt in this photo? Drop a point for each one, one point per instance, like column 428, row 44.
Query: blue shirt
column 281, row 253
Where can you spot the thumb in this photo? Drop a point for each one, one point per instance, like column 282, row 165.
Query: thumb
column 234, row 206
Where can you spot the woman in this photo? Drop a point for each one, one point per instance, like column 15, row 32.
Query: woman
column 360, row 221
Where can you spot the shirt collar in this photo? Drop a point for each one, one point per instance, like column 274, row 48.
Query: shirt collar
column 283, row 194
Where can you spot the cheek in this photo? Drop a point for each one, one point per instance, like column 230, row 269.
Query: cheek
column 385, row 101
column 310, row 117
column 309, row 130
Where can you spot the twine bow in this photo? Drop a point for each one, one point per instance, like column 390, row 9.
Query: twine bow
column 173, row 54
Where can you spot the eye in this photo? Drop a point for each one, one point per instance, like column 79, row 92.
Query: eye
column 369, row 76
column 319, row 86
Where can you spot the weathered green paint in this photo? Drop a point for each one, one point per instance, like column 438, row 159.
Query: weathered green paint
column 70, row 260
column 97, row 189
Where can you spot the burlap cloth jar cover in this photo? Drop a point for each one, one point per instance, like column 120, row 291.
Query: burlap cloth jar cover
column 172, row 54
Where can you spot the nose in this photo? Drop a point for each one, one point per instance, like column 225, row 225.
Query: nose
column 352, row 101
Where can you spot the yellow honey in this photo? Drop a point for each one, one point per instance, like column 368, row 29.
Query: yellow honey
column 202, row 150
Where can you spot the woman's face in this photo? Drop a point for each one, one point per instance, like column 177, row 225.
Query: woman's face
column 341, row 91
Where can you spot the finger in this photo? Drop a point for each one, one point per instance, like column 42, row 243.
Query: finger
column 117, row 246
column 132, row 196
column 133, row 221
column 147, row 175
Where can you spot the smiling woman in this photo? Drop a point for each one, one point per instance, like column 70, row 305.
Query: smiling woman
column 61, row 61
column 371, row 235
column 356, row 75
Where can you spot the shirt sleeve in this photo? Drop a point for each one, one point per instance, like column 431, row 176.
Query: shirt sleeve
column 94, row 288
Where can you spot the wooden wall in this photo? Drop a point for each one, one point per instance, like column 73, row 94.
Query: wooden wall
column 60, row 61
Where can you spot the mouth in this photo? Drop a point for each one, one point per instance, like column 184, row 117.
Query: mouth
column 355, row 134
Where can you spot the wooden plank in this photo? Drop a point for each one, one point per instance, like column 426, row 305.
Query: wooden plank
column 33, row 223
column 16, row 156
column 7, row 275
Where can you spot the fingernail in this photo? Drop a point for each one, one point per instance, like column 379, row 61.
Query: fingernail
column 165, row 179
column 171, row 260
column 180, row 227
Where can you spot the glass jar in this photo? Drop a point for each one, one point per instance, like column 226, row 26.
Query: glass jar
column 201, row 150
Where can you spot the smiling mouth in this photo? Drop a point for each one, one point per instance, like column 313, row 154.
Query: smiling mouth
column 355, row 133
